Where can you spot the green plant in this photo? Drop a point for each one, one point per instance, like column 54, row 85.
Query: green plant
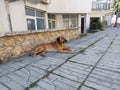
column 116, row 7
column 96, row 25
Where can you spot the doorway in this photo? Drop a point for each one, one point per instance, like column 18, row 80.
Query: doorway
column 82, row 25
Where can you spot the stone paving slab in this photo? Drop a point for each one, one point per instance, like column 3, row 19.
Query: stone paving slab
column 48, row 63
column 102, row 79
column 110, row 61
column 94, row 65
column 55, row 82
column 73, row 71
column 2, row 87
column 86, row 58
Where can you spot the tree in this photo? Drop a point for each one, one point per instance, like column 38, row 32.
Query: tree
column 116, row 7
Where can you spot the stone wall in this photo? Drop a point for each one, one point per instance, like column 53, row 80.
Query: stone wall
column 19, row 43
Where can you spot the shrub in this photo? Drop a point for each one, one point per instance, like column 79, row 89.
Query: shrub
column 96, row 25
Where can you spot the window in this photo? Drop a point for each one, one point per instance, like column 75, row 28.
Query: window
column 31, row 24
column 70, row 21
column 51, row 21
column 35, row 19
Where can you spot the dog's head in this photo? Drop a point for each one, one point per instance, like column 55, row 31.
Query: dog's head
column 61, row 39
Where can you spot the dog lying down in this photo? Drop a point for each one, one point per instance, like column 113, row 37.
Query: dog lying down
column 57, row 46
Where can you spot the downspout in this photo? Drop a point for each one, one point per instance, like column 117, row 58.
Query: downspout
column 10, row 23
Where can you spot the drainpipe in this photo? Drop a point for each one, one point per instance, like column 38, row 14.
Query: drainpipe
column 4, row 12
column 79, row 23
column 86, row 23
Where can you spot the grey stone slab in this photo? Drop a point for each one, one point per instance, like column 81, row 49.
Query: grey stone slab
column 35, row 74
column 36, row 69
column 114, row 49
column 4, row 79
column 86, row 88
column 17, row 65
column 108, row 79
column 54, row 82
column 103, row 83
column 97, row 86
column 73, row 73
column 8, row 68
column 110, row 61
column 48, row 63
column 26, row 75
column 4, row 71
column 36, row 88
column 19, row 80
column 62, row 56
column 110, row 75
column 89, row 59
column 103, row 80
column 2, row 87
column 115, row 56
column 116, row 42
column 75, row 67
column 14, row 86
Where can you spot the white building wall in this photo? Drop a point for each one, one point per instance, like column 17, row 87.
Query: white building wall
column 46, row 21
column 86, row 23
column 4, row 21
column 59, row 21
column 108, row 19
column 79, row 22
column 70, row 6
column 17, row 15
column 1, row 24
column 58, row 7
column 37, row 6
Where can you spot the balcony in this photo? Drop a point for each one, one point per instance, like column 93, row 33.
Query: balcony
column 101, row 6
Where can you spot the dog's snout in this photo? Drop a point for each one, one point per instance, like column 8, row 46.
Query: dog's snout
column 65, row 40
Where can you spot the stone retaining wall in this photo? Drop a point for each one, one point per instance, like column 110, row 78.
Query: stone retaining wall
column 19, row 43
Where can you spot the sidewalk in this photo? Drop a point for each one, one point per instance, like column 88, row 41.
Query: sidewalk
column 94, row 66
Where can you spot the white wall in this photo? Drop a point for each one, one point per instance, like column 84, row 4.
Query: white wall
column 1, row 24
column 37, row 6
column 70, row 6
column 59, row 21
column 4, row 21
column 17, row 15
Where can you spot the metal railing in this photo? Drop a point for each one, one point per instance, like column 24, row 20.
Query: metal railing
column 101, row 5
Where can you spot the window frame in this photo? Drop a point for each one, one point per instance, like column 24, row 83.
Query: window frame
column 35, row 17
column 51, row 20
column 69, row 20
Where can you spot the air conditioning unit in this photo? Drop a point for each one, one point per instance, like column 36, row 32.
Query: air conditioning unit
column 45, row 1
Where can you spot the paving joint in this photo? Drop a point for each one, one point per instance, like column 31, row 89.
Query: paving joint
column 96, row 64
column 68, row 59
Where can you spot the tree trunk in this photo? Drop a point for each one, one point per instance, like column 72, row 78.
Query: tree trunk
column 117, row 16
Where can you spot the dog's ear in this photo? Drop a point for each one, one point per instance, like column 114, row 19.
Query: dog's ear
column 58, row 39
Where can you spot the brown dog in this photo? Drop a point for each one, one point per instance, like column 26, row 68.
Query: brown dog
column 56, row 46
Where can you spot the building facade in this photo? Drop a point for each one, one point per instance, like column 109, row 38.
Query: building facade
column 102, row 10
column 23, row 15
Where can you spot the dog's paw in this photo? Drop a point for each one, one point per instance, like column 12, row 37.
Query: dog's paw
column 43, row 55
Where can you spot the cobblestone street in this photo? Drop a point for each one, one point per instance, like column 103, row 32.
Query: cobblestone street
column 95, row 65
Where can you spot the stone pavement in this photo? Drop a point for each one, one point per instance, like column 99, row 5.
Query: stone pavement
column 95, row 65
